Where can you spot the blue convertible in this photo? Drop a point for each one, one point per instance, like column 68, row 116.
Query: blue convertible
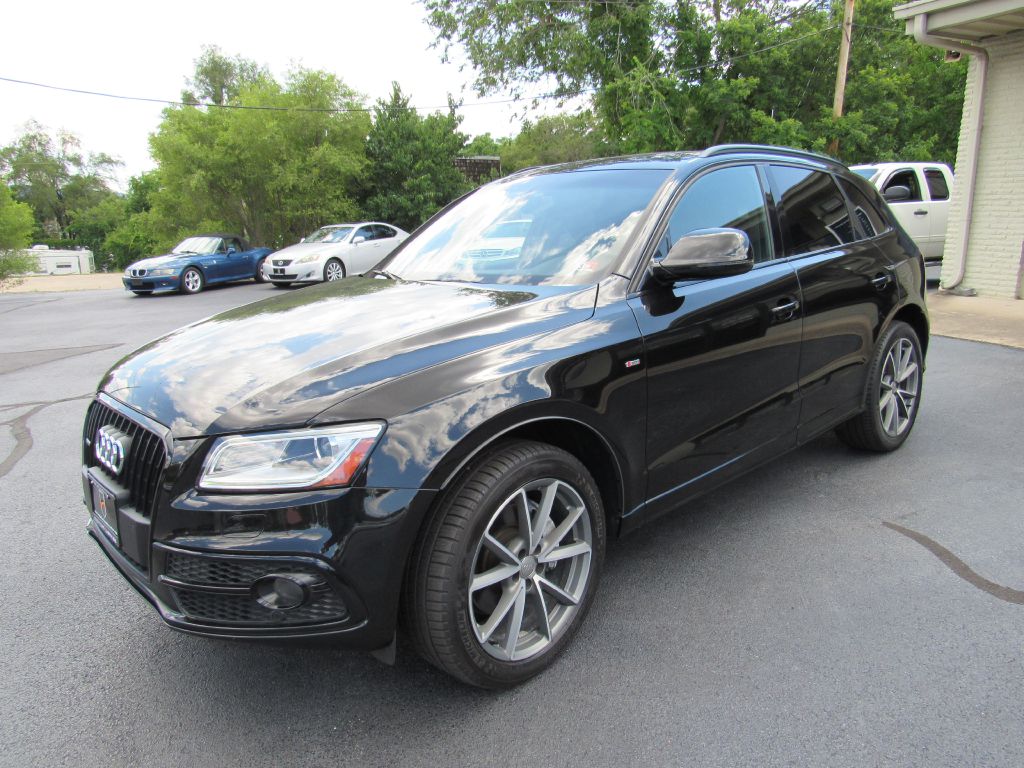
column 196, row 262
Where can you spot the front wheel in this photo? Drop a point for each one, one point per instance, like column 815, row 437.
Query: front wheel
column 191, row 281
column 508, row 566
column 333, row 270
column 893, row 393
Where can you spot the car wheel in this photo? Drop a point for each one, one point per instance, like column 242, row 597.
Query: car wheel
column 282, row 285
column 333, row 270
column 259, row 277
column 507, row 567
column 192, row 281
column 893, row 393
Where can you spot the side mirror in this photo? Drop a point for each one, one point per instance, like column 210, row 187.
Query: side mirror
column 231, row 249
column 358, row 239
column 897, row 193
column 718, row 252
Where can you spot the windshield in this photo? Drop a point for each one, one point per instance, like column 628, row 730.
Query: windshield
column 328, row 235
column 867, row 171
column 197, row 245
column 551, row 229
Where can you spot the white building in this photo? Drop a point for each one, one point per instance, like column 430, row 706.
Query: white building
column 985, row 235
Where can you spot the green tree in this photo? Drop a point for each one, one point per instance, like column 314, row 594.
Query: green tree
column 287, row 159
column 554, row 139
column 15, row 229
column 219, row 79
column 689, row 74
column 411, row 172
column 55, row 178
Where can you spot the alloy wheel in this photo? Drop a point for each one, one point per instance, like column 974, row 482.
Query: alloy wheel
column 193, row 281
column 334, row 271
column 531, row 570
column 899, row 387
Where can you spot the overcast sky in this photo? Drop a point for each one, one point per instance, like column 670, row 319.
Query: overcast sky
column 148, row 49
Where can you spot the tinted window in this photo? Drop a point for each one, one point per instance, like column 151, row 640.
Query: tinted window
column 383, row 233
column 871, row 220
column 575, row 223
column 813, row 211
column 937, row 187
column 729, row 197
column 905, row 178
column 365, row 232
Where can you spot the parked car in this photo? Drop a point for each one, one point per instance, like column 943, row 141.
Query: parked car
column 457, row 448
column 918, row 194
column 334, row 252
column 196, row 262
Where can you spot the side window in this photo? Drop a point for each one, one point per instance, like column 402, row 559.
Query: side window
column 383, row 233
column 905, row 178
column 871, row 220
column 937, row 187
column 222, row 246
column 813, row 211
column 364, row 232
column 728, row 197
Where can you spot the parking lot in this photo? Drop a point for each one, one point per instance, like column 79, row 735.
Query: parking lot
column 834, row 608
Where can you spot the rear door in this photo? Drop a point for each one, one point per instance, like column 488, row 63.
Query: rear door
column 848, row 287
column 912, row 213
column 938, row 185
column 721, row 354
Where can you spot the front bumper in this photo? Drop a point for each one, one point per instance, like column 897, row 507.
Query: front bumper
column 154, row 284
column 196, row 557
column 294, row 273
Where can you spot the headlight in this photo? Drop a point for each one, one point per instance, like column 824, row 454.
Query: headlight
column 163, row 272
column 128, row 272
column 305, row 458
column 308, row 258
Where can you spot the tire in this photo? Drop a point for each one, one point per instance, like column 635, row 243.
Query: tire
column 893, row 393
column 475, row 574
column 282, row 285
column 259, row 277
column 333, row 270
column 192, row 281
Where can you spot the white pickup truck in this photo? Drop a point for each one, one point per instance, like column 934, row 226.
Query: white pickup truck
column 924, row 212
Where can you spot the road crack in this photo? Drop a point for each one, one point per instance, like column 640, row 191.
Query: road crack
column 22, row 434
column 959, row 567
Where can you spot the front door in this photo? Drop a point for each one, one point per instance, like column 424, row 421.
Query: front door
column 721, row 354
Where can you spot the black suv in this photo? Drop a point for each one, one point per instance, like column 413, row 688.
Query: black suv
column 549, row 361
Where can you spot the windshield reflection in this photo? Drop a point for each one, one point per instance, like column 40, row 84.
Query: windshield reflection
column 550, row 229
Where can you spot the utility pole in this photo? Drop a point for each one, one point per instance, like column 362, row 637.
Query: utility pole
column 844, row 60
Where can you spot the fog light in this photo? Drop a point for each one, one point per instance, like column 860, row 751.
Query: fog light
column 284, row 591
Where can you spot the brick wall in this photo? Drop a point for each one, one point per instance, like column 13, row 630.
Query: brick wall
column 997, row 225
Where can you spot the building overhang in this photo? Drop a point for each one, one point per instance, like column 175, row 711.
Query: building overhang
column 972, row 20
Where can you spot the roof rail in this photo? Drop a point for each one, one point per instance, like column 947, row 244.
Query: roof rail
column 723, row 149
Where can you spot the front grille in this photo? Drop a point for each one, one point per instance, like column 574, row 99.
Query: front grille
column 283, row 277
column 208, row 570
column 234, row 609
column 145, row 461
column 241, row 608
column 139, row 272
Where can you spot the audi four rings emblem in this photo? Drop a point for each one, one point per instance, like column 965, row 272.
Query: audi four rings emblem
column 112, row 448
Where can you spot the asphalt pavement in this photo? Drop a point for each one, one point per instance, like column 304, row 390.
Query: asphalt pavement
column 832, row 609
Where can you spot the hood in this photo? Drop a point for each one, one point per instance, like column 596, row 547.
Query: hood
column 279, row 362
column 155, row 262
column 303, row 249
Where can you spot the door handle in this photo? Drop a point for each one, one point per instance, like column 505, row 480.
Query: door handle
column 786, row 309
column 920, row 212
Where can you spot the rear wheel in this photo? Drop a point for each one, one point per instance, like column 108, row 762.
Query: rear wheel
column 259, row 277
column 893, row 393
column 192, row 281
column 508, row 566
column 333, row 270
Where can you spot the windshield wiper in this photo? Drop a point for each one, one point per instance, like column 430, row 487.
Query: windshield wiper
column 186, row 253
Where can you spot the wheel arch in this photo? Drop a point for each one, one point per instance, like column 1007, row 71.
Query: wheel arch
column 914, row 316
column 575, row 437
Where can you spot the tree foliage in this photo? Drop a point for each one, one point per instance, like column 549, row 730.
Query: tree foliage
column 15, row 228
column 411, row 172
column 688, row 74
column 288, row 159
